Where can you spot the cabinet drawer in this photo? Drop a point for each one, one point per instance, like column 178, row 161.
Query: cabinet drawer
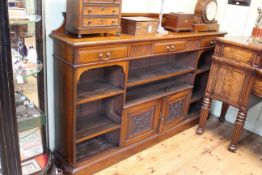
column 97, row 54
column 102, row 1
column 174, row 109
column 238, row 54
column 101, row 10
column 168, row 47
column 140, row 122
column 94, row 22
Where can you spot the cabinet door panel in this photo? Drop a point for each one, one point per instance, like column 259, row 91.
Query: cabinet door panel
column 140, row 122
column 228, row 84
column 174, row 109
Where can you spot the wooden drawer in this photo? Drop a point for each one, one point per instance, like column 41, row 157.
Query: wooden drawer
column 174, row 109
column 238, row 54
column 140, row 122
column 168, row 47
column 100, row 10
column 94, row 22
column 102, row 1
column 97, row 54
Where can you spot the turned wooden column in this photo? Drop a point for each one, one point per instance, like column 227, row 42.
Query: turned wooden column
column 238, row 128
column 223, row 112
column 204, row 115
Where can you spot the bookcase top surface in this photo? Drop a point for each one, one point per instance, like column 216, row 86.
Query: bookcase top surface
column 124, row 38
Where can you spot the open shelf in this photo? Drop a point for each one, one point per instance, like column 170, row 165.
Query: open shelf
column 97, row 90
column 98, row 117
column 194, row 109
column 100, row 83
column 203, row 69
column 156, row 68
column 197, row 96
column 151, row 91
column 95, row 125
column 204, row 62
column 155, row 73
column 97, row 146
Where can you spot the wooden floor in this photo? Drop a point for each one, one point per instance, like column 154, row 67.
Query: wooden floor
column 190, row 154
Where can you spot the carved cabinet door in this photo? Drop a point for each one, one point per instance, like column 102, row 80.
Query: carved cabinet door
column 230, row 84
column 174, row 110
column 140, row 122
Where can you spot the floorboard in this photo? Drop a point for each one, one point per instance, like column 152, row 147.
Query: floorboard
column 190, row 154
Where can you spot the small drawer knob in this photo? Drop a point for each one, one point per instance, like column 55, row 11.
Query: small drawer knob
column 114, row 11
column 89, row 22
column 100, row 55
column 102, row 8
column 90, row 11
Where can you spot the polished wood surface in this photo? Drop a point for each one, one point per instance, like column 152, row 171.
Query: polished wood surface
column 234, row 74
column 186, row 154
column 117, row 95
column 179, row 22
column 88, row 17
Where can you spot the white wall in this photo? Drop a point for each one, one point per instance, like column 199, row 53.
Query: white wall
column 233, row 19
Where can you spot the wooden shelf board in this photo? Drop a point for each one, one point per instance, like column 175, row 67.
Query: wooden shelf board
column 97, row 90
column 196, row 96
column 93, row 147
column 151, row 92
column 194, row 109
column 203, row 69
column 92, row 126
column 142, row 76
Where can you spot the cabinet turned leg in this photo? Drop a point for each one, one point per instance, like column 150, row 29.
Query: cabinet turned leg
column 223, row 112
column 203, row 115
column 238, row 128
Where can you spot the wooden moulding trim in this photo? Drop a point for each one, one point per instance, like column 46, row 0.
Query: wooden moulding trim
column 238, row 65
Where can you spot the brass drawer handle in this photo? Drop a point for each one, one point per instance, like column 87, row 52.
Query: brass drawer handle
column 212, row 43
column 101, row 56
column 171, row 48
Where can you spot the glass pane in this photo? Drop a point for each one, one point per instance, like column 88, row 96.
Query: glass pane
column 26, row 67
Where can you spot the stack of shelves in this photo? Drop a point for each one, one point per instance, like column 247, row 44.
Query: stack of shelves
column 202, row 73
column 98, row 113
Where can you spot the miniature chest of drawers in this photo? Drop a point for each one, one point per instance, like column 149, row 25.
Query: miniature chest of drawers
column 93, row 16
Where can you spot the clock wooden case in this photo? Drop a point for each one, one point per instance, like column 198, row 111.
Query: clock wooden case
column 205, row 13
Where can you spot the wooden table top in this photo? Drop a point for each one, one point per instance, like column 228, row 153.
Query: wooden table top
column 242, row 41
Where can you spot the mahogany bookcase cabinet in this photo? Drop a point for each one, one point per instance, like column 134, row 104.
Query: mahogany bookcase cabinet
column 117, row 95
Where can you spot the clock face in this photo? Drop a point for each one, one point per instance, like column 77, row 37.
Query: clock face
column 211, row 10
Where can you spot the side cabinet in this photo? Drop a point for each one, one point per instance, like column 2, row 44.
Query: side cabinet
column 140, row 122
column 174, row 109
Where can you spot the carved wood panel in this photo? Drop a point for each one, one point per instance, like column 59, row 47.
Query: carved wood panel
column 140, row 122
column 229, row 83
column 174, row 110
